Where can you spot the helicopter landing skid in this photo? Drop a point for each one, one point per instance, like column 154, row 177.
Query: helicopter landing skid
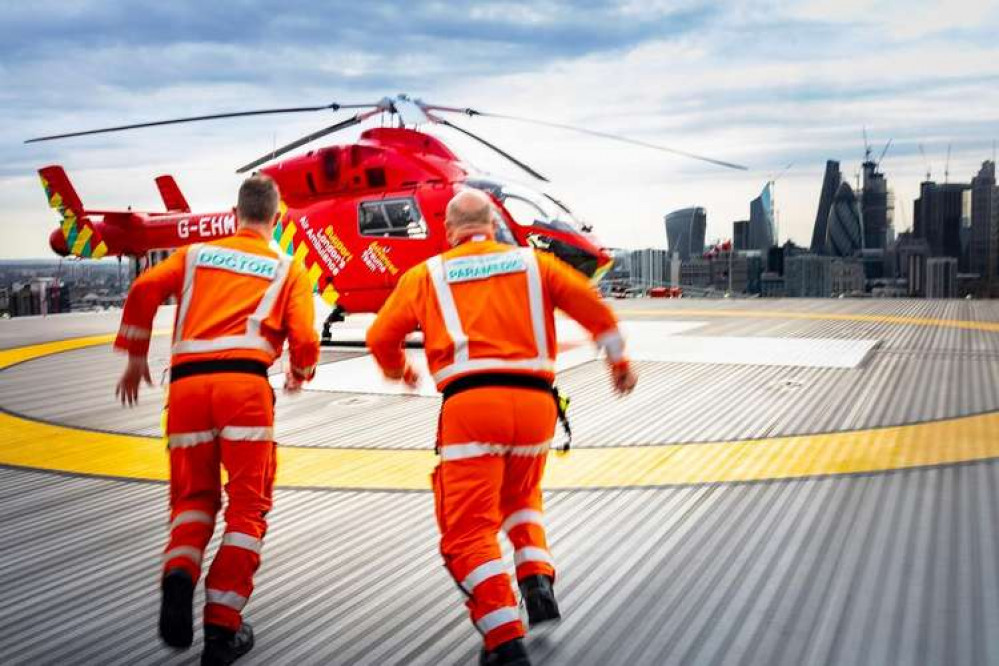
column 336, row 316
column 359, row 344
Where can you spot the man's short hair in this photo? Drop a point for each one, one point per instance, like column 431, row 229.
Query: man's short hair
column 258, row 199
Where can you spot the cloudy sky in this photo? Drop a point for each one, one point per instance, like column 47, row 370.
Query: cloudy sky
column 760, row 83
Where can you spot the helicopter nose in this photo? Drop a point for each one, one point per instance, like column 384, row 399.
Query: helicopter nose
column 605, row 260
column 57, row 241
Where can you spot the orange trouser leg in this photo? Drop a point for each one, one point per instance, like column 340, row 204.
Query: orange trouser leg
column 194, row 477
column 523, row 520
column 467, row 486
column 243, row 411
column 520, row 499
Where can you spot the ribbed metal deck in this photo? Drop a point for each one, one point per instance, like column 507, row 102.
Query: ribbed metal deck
column 900, row 567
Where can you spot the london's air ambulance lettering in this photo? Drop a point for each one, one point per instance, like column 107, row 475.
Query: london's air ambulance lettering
column 237, row 262
column 481, row 267
column 209, row 226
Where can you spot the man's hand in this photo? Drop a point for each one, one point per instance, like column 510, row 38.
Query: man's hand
column 292, row 383
column 136, row 371
column 623, row 378
column 410, row 377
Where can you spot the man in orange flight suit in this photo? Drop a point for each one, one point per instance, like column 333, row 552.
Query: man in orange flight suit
column 487, row 315
column 238, row 299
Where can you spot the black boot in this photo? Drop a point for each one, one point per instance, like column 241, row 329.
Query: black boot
column 176, row 624
column 222, row 646
column 511, row 653
column 539, row 598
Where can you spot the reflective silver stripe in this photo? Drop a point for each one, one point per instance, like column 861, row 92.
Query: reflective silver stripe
column 190, row 552
column 481, row 364
column 452, row 322
column 481, row 573
column 452, row 452
column 613, row 345
column 185, row 517
column 497, row 618
column 247, row 433
column 530, row 449
column 531, row 554
column 521, row 517
column 536, row 300
column 251, row 339
column 221, row 344
column 449, row 311
column 270, row 296
column 130, row 332
column 185, row 294
column 231, row 599
column 240, row 540
column 184, row 439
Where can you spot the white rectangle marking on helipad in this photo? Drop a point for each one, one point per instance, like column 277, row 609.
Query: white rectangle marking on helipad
column 659, row 341
column 795, row 352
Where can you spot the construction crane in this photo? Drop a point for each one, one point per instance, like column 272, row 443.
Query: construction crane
column 947, row 166
column 877, row 165
column 772, row 181
column 925, row 161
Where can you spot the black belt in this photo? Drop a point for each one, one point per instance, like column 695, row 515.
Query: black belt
column 494, row 379
column 240, row 365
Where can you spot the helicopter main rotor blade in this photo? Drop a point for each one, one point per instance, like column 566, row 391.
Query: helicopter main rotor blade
column 192, row 119
column 583, row 130
column 446, row 123
column 344, row 124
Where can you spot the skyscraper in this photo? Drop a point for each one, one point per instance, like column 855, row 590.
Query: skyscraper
column 845, row 228
column 985, row 227
column 830, row 183
column 875, row 207
column 685, row 232
column 740, row 235
column 762, row 233
column 937, row 217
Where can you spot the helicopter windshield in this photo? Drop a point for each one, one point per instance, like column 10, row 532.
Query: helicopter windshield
column 529, row 208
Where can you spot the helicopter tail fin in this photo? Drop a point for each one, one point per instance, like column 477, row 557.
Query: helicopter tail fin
column 59, row 191
column 77, row 235
column 173, row 198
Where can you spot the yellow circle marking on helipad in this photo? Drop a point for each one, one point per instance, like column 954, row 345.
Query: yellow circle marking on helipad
column 28, row 443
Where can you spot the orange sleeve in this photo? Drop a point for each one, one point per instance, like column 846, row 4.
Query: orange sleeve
column 573, row 294
column 145, row 296
column 397, row 319
column 300, row 320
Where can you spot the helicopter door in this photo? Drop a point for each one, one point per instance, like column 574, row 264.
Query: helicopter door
column 393, row 234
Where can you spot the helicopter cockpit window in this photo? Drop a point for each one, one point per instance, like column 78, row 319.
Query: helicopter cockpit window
column 392, row 218
column 529, row 208
column 503, row 233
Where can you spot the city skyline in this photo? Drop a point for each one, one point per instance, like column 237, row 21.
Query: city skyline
column 667, row 73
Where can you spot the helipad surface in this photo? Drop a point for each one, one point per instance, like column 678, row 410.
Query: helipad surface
column 793, row 482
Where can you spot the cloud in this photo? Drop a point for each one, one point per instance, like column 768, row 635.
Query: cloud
column 765, row 83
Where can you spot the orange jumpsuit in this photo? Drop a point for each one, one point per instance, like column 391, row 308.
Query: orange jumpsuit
column 485, row 307
column 238, row 299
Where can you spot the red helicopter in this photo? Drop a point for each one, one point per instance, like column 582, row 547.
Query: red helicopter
column 356, row 215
